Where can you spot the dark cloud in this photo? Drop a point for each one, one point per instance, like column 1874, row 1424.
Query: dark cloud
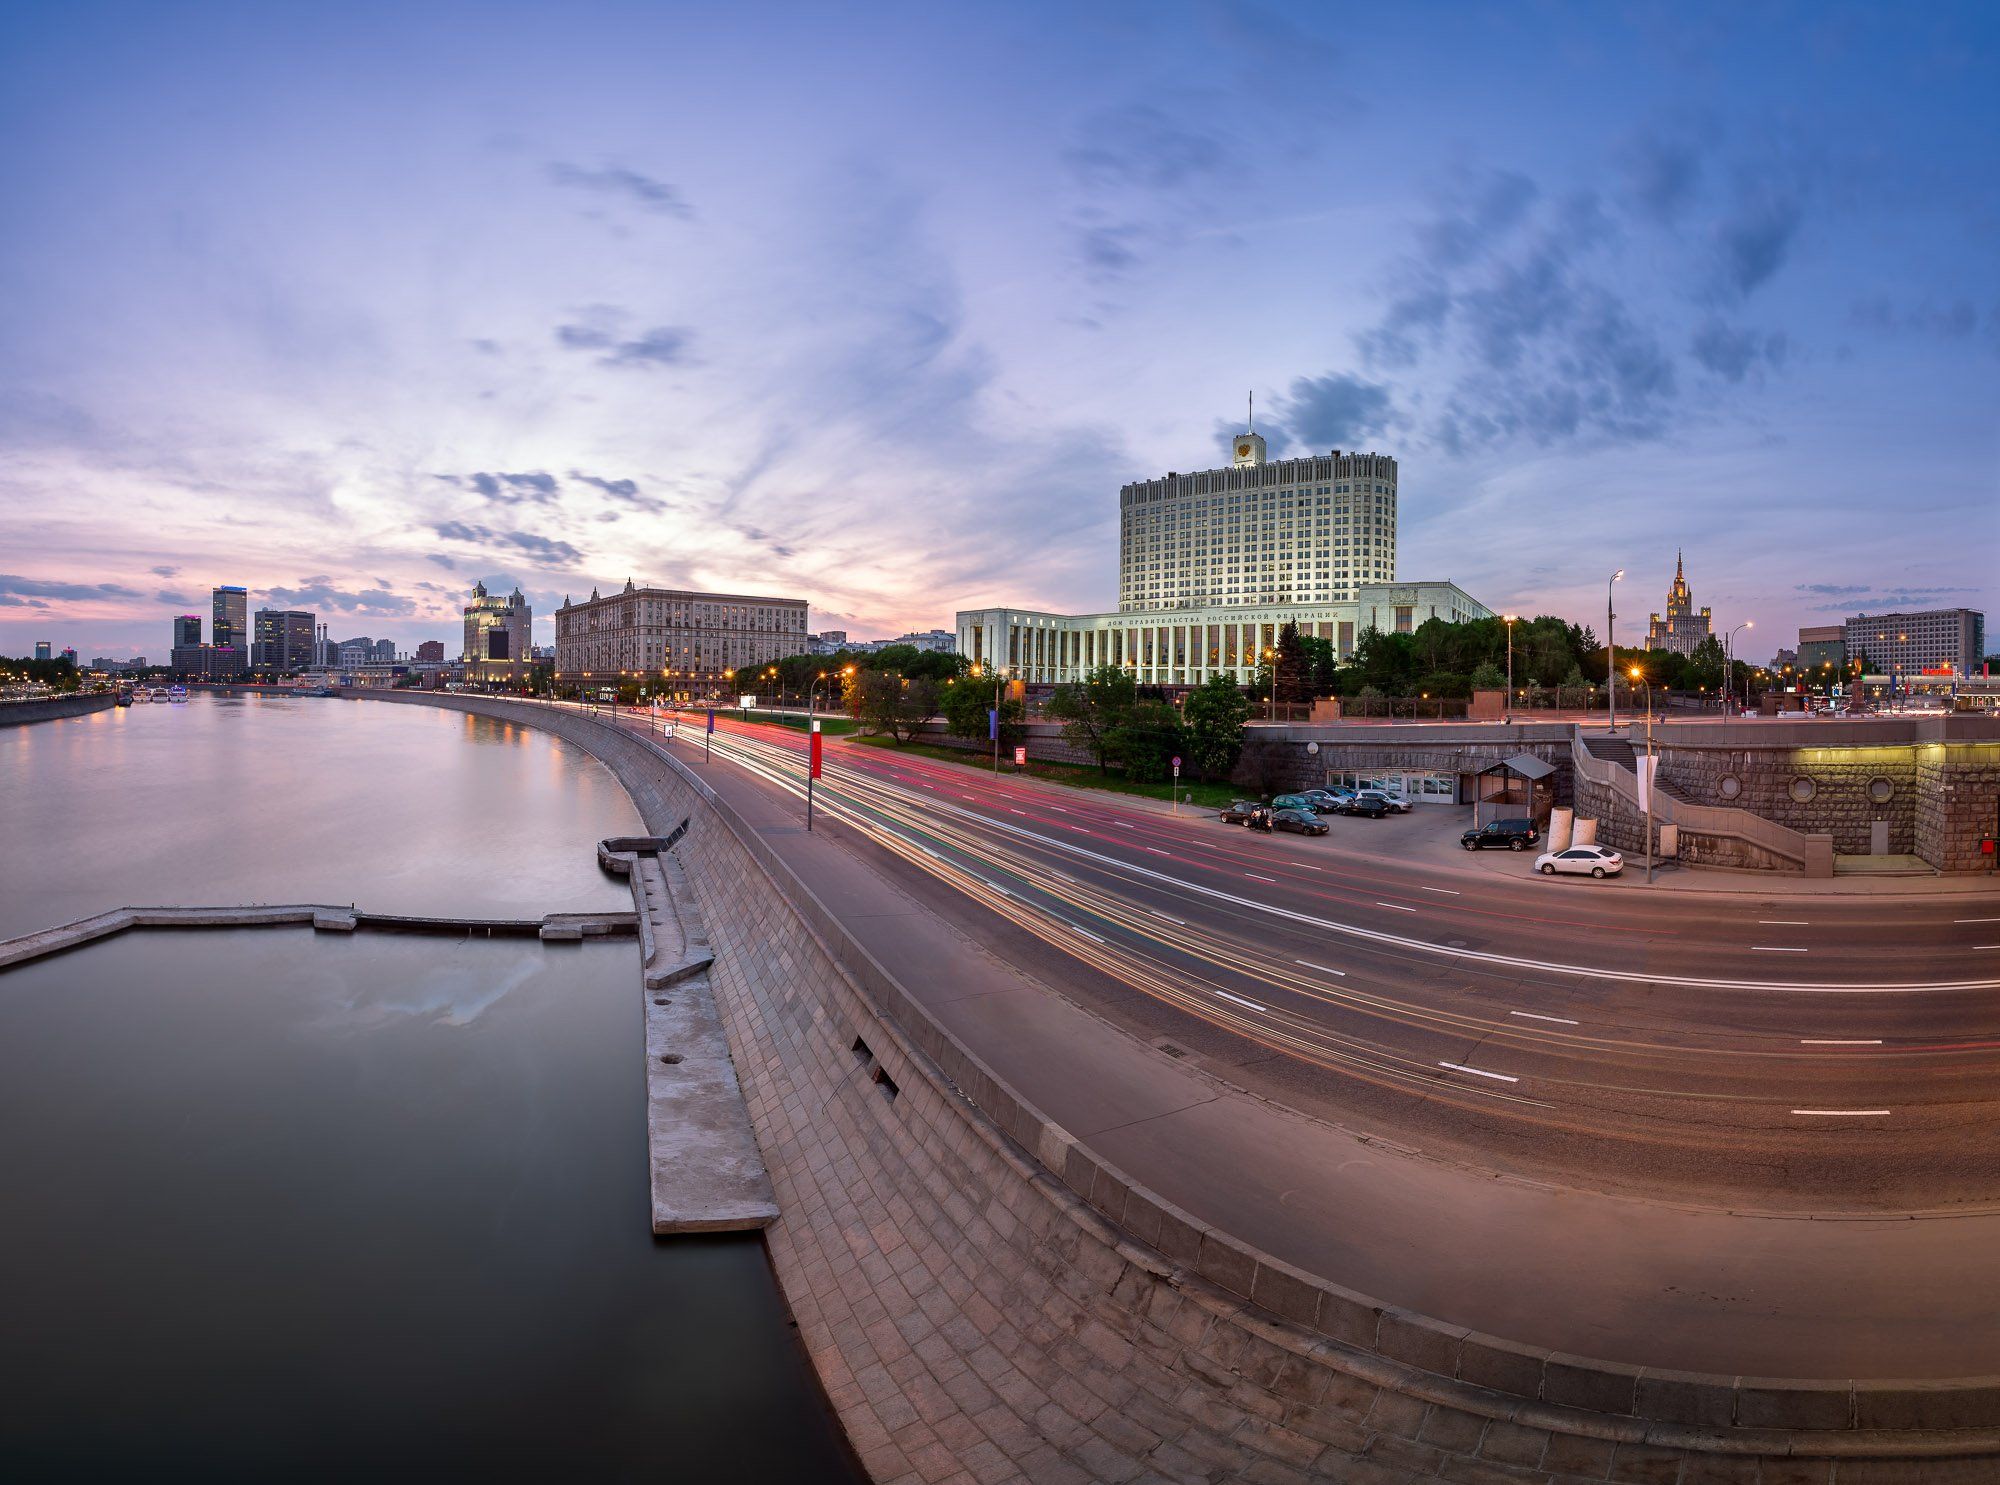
column 1111, row 250
column 622, row 489
column 31, row 588
column 582, row 337
column 443, row 561
column 1487, row 210
column 1733, row 353
column 165, row 572
column 663, row 345
column 614, row 180
column 1752, row 245
column 1413, row 325
column 511, row 489
column 1142, row 147
column 540, row 546
column 1335, row 411
column 319, row 594
column 1958, row 320
column 1661, row 176
column 174, row 600
column 1861, row 598
column 8, row 600
column 460, row 531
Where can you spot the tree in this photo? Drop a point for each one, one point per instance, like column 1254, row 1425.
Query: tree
column 1488, row 677
column 965, row 704
column 1322, row 664
column 1089, row 710
column 1145, row 740
column 1214, row 714
column 894, row 704
column 1294, row 668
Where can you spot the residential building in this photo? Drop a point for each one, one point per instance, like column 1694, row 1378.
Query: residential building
column 1186, row 647
column 929, row 640
column 826, row 642
column 1785, row 659
column 286, row 641
column 68, row 653
column 210, row 662
column 1213, row 565
column 688, row 642
column 1823, row 648
column 498, row 634
column 1935, row 641
column 1683, row 629
column 385, row 652
column 44, row 649
column 187, row 630
column 352, row 652
column 431, row 652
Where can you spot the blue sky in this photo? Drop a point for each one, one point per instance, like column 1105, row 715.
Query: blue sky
column 880, row 304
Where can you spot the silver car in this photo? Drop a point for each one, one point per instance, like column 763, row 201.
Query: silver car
column 1590, row 861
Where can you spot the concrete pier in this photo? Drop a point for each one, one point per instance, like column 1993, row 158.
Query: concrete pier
column 555, row 927
column 707, row 1173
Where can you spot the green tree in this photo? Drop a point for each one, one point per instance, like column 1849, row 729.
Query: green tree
column 1322, row 664
column 1214, row 716
column 965, row 704
column 1144, row 740
column 894, row 704
column 1089, row 710
column 1488, row 677
column 1294, row 667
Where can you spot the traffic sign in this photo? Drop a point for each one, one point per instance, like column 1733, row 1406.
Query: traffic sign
column 1020, row 757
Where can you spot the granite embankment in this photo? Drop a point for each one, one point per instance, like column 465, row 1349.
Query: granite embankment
column 55, row 708
column 985, row 1300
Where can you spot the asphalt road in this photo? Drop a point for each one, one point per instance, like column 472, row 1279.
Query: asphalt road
column 1787, row 1052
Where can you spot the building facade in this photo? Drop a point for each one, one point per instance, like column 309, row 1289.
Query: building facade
column 187, row 630
column 229, row 618
column 1937, row 641
column 687, row 643
column 1823, row 650
column 1185, row 647
column 931, row 641
column 431, row 652
column 286, row 640
column 1305, row 531
column 498, row 635
column 45, row 649
column 1683, row 629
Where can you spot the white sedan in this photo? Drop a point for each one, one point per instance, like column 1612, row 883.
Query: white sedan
column 1596, row 861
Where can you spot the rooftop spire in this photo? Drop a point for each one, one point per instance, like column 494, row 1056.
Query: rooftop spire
column 1251, row 426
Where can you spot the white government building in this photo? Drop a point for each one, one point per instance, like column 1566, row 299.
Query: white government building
column 1212, row 565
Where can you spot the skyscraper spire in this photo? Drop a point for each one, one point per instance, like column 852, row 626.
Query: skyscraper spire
column 1679, row 576
column 1251, row 427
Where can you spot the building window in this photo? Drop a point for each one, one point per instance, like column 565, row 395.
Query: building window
column 1730, row 787
column 1803, row 788
column 1881, row 790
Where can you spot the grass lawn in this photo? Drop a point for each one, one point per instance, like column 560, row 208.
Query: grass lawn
column 1070, row 775
column 831, row 726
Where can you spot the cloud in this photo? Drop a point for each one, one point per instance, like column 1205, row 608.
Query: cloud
column 615, row 180
column 663, row 345
column 1661, row 176
column 1141, row 147
column 319, row 593
column 541, row 546
column 174, row 600
column 442, row 561
column 1864, row 598
column 622, row 489
column 165, row 572
column 1489, row 207
column 1732, row 353
column 1752, row 245
column 1336, row 411
column 32, row 588
column 509, row 489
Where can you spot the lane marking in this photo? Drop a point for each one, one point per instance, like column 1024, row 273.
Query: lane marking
column 1122, row 825
column 1017, row 812
column 1177, row 922
column 1447, row 891
column 1531, row 1016
column 1833, row 1041
column 994, row 887
column 930, row 853
column 1323, row 969
column 1158, row 852
column 965, row 796
column 1769, row 949
column 1784, row 922
column 1976, row 920
column 1241, row 1001
column 1479, row 1072
column 1084, row 931
column 1253, row 875
column 1845, row 1113
column 1397, row 906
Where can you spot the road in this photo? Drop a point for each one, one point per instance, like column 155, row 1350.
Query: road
column 1586, row 1206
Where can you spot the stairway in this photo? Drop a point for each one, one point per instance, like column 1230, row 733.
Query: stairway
column 1616, row 750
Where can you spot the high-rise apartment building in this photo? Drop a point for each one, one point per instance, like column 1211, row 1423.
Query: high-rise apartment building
column 230, row 620
column 1935, row 640
column 286, row 641
column 187, row 630
column 44, row 649
column 686, row 643
column 1307, row 530
column 498, row 635
column 1682, row 630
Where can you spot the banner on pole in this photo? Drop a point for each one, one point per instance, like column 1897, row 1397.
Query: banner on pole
column 711, row 719
column 1645, row 769
column 813, row 751
column 992, row 724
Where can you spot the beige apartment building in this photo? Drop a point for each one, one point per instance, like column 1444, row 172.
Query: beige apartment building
column 680, row 643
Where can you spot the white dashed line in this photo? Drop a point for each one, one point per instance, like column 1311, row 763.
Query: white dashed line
column 1397, row 906
column 1446, row 891
column 965, row 796
column 1241, row 1001
column 1254, row 877
column 1829, row 1041
column 1844, row 1113
column 1158, row 852
column 1058, row 809
column 1321, row 968
column 1122, row 825
column 1017, row 812
column 1479, row 1072
column 1531, row 1016
column 1084, row 931
column 1177, row 922
column 1770, row 949
column 994, row 887
column 1976, row 920
column 1784, row 922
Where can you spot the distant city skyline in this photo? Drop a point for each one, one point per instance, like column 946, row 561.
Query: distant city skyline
column 306, row 303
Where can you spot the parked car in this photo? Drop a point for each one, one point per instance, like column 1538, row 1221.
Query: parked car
column 1292, row 802
column 1596, row 861
column 1240, row 812
column 1325, row 801
column 1394, row 803
column 1514, row 835
column 1299, row 822
column 1374, row 806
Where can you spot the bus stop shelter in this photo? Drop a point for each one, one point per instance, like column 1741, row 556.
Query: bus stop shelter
column 1522, row 787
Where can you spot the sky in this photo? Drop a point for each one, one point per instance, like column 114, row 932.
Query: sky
column 878, row 305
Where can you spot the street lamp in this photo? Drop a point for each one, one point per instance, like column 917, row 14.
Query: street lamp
column 1729, row 688
column 1272, row 656
column 1611, row 651
column 1510, row 618
column 1651, row 773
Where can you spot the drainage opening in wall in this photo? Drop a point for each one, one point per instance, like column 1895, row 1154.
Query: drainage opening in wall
column 1730, row 787
column 670, row 1058
column 1880, row 790
column 887, row 1084
column 1803, row 788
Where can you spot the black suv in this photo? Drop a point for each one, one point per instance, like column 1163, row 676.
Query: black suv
column 1515, row 835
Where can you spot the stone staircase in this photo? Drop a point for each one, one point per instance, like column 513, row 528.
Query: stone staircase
column 1616, row 750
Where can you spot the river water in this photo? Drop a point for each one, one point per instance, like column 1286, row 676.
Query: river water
column 281, row 1204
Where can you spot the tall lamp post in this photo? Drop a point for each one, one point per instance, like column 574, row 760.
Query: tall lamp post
column 1611, row 650
column 1652, row 772
column 1729, row 686
column 1272, row 656
column 1510, row 618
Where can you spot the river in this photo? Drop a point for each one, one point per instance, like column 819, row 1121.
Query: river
column 291, row 1204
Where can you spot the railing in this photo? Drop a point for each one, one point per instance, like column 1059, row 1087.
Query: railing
column 1811, row 854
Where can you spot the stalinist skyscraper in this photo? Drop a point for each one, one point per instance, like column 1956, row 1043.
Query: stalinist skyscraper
column 1683, row 629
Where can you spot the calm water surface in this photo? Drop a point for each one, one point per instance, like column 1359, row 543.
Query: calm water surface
column 281, row 1204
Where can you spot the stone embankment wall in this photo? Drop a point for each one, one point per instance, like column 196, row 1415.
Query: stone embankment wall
column 986, row 1301
column 1277, row 760
column 21, row 713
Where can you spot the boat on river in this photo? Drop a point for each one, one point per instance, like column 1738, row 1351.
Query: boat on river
column 177, row 693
